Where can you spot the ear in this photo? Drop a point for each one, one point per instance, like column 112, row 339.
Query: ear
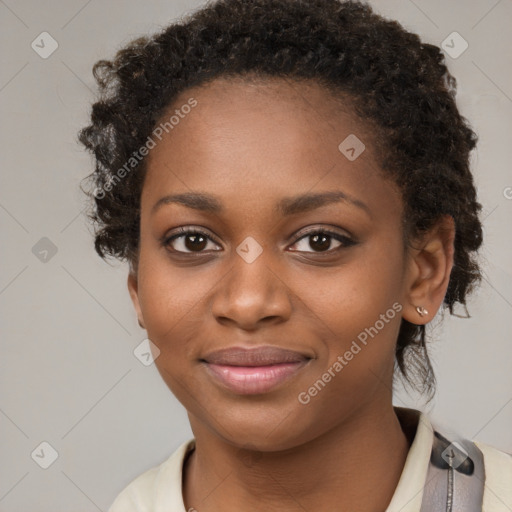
column 133, row 288
column 430, row 263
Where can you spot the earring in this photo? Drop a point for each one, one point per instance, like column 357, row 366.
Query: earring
column 421, row 311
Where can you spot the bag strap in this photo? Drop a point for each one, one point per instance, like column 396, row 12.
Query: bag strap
column 455, row 477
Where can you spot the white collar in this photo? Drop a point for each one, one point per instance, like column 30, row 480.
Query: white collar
column 406, row 498
column 409, row 491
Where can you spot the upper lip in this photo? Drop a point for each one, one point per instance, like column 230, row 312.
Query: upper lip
column 259, row 356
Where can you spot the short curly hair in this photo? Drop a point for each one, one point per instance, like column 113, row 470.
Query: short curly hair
column 397, row 84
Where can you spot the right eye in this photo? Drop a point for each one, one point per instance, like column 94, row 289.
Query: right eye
column 187, row 241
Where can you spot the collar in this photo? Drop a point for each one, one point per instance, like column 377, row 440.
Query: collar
column 409, row 491
column 407, row 497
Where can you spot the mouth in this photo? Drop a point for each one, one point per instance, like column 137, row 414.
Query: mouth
column 253, row 371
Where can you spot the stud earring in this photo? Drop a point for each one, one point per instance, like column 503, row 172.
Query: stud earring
column 421, row 311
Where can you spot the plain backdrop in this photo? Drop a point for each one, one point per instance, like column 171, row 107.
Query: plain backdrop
column 68, row 373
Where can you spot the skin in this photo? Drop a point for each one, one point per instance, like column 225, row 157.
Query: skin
column 251, row 145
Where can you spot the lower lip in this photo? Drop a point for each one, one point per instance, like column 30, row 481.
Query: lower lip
column 252, row 380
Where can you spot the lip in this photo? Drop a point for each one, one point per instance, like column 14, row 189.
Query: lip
column 253, row 371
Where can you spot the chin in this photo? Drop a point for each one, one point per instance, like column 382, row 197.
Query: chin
column 271, row 432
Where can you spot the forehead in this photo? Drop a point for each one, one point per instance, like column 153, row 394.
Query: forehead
column 253, row 103
column 263, row 138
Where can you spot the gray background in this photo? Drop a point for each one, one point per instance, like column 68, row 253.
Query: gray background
column 68, row 373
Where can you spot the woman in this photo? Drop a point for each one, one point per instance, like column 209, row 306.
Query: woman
column 289, row 182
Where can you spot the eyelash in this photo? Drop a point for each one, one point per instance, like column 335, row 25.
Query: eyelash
column 344, row 240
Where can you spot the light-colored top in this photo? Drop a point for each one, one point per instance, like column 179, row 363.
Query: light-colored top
column 160, row 488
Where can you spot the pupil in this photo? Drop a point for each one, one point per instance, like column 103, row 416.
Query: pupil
column 195, row 245
column 324, row 245
column 317, row 242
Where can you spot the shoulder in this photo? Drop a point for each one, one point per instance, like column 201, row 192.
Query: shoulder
column 137, row 496
column 498, row 479
column 486, row 478
column 160, row 484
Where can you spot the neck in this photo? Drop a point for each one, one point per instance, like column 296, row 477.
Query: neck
column 355, row 466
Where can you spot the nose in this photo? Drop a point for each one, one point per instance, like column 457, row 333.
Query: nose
column 251, row 294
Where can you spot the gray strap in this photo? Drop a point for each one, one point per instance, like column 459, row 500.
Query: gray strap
column 455, row 477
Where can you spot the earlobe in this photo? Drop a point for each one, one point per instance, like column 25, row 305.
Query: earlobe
column 133, row 288
column 430, row 265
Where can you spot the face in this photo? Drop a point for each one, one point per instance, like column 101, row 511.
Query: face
column 319, row 276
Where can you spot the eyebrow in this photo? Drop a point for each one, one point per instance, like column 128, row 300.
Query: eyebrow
column 286, row 206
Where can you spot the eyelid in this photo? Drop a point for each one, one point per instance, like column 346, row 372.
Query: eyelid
column 345, row 240
column 183, row 231
column 323, row 229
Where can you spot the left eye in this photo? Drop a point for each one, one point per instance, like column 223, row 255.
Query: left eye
column 322, row 239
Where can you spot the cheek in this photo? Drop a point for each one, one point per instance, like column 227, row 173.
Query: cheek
column 351, row 297
column 355, row 311
column 165, row 296
column 174, row 302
